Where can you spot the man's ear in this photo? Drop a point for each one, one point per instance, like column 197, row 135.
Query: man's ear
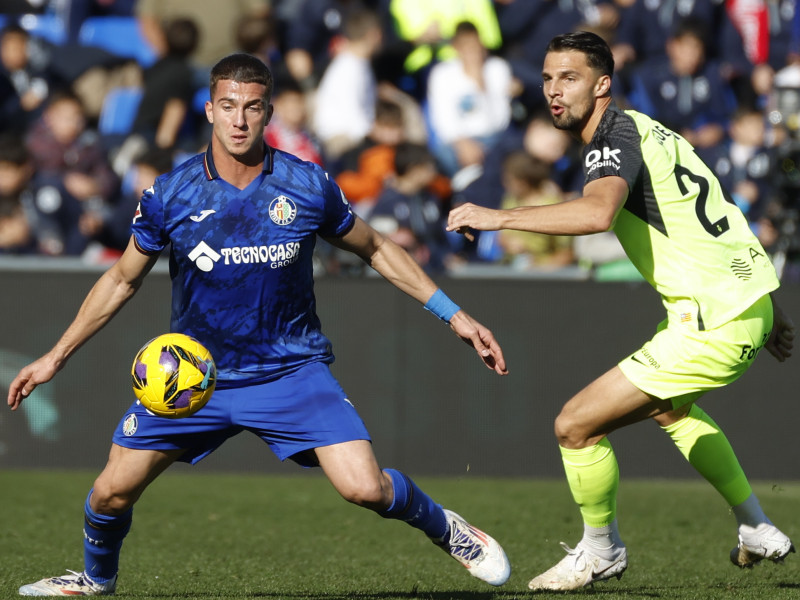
column 603, row 86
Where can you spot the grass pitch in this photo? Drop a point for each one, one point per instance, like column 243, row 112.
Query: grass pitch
column 215, row 536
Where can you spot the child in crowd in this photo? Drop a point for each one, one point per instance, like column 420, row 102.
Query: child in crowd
column 72, row 174
column 526, row 183
column 16, row 197
column 288, row 130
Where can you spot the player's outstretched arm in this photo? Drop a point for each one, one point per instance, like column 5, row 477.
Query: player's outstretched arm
column 593, row 212
column 397, row 266
column 781, row 340
column 114, row 288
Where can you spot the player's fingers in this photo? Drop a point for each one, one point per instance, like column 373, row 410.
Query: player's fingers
column 17, row 392
column 498, row 362
column 780, row 353
column 466, row 233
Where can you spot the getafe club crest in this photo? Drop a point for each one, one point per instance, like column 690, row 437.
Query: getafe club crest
column 130, row 425
column 282, row 210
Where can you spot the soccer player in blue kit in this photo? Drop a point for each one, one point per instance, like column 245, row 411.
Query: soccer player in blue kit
column 242, row 221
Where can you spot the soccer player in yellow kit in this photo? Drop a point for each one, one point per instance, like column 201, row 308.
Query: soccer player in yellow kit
column 695, row 248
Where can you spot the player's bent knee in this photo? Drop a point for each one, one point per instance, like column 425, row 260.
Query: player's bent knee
column 108, row 500
column 570, row 432
column 369, row 495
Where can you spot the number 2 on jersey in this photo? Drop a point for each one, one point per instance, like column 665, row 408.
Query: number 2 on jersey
column 716, row 228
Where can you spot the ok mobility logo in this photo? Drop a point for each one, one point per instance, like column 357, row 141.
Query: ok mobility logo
column 606, row 157
column 275, row 255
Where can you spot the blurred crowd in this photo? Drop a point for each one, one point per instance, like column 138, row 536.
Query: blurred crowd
column 413, row 106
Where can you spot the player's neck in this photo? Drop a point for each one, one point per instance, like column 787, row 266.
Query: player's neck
column 239, row 171
column 600, row 107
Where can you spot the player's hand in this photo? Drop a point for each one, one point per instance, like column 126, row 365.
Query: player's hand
column 781, row 340
column 480, row 338
column 468, row 215
column 36, row 373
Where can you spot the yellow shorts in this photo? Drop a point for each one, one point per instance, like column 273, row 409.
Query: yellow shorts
column 682, row 363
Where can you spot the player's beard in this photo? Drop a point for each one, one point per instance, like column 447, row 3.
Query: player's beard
column 571, row 121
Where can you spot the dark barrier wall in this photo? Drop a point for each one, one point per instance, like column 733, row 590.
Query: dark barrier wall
column 429, row 403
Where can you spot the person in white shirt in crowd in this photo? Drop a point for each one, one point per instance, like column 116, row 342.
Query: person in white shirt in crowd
column 469, row 102
column 344, row 104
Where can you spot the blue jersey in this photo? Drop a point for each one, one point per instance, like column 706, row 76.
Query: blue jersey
column 241, row 260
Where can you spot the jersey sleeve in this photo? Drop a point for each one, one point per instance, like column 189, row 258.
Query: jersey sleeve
column 148, row 221
column 339, row 217
column 614, row 152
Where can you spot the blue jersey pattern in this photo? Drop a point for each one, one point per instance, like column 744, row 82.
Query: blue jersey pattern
column 241, row 260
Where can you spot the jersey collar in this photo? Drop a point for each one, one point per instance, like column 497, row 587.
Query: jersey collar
column 211, row 169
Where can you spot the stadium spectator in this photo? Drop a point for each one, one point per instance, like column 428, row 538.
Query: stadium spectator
column 288, row 130
column 216, row 21
column 745, row 162
column 409, row 213
column 112, row 229
column 526, row 182
column 313, row 37
column 428, row 27
column 364, row 169
column 344, row 102
column 645, row 26
column 258, row 319
column 168, row 88
column 258, row 36
column 16, row 197
column 469, row 102
column 766, row 28
column 715, row 280
column 543, row 142
column 72, row 174
column 26, row 66
column 686, row 91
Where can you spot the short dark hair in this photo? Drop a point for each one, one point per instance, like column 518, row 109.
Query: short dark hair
column 182, row 36
column 358, row 23
column 13, row 150
column 408, row 155
column 388, row 113
column 156, row 158
column 242, row 68
column 598, row 54
column 521, row 165
column 465, row 27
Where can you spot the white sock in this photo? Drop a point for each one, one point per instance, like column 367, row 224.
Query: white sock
column 750, row 513
column 603, row 541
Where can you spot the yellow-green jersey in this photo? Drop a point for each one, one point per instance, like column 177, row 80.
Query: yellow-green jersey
column 678, row 227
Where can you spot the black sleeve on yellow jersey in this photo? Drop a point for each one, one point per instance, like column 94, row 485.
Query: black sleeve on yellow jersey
column 614, row 150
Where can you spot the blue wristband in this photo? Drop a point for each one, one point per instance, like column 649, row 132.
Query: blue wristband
column 441, row 306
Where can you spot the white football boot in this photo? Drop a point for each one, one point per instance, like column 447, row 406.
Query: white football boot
column 476, row 550
column 758, row 543
column 579, row 568
column 74, row 584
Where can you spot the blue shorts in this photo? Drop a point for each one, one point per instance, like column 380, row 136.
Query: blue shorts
column 300, row 411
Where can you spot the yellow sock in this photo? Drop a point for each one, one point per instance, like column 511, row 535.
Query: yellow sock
column 593, row 477
column 707, row 449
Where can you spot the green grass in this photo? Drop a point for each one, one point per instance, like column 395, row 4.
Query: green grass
column 211, row 536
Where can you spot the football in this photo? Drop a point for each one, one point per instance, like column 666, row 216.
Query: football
column 174, row 375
